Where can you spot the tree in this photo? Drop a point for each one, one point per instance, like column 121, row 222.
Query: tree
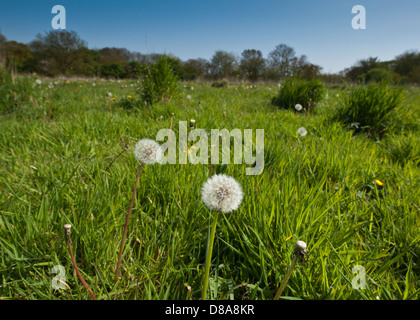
column 252, row 64
column 135, row 69
column 55, row 50
column 195, row 68
column 2, row 41
column 408, row 65
column 115, row 55
column 361, row 67
column 280, row 59
column 223, row 64
column 17, row 55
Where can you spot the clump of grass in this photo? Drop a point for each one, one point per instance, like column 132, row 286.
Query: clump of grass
column 220, row 84
column 295, row 91
column 370, row 108
column 128, row 103
column 160, row 83
column 14, row 93
column 403, row 149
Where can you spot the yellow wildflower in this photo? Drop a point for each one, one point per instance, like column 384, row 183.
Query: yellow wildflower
column 379, row 183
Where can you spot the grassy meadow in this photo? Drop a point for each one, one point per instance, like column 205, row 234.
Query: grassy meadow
column 67, row 158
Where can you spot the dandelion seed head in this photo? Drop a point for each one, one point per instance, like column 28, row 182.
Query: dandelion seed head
column 189, row 97
column 148, row 151
column 38, row 81
column 302, row 131
column 222, row 193
column 300, row 245
column 298, row 107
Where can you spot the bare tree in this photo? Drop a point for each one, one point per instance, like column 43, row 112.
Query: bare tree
column 281, row 59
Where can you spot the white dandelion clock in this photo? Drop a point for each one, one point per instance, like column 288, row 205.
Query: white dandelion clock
column 302, row 131
column 189, row 97
column 222, row 193
column 298, row 107
column 38, row 81
column 148, row 151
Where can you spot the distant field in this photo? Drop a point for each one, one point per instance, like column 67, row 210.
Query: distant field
column 353, row 200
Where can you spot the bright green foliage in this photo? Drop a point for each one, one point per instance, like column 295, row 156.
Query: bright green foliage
column 160, row 83
column 295, row 91
column 79, row 168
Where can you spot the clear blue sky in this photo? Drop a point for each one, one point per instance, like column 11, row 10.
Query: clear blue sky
column 197, row 28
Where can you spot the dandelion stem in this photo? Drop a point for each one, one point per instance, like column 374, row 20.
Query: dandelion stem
column 208, row 258
column 67, row 227
column 286, row 278
column 126, row 224
column 49, row 107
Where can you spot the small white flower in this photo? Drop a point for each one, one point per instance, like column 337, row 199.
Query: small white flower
column 148, row 151
column 302, row 131
column 50, row 86
column 222, row 193
column 38, row 81
column 109, row 94
column 189, row 97
column 298, row 107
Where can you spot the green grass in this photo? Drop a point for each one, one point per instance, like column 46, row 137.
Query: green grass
column 319, row 188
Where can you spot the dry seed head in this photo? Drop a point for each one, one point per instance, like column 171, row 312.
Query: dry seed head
column 148, row 151
column 67, row 227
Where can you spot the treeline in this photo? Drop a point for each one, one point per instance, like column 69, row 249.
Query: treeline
column 64, row 53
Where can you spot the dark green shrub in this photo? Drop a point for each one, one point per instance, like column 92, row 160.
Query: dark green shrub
column 113, row 70
column 298, row 91
column 160, row 83
column 378, row 75
column 370, row 108
column 128, row 103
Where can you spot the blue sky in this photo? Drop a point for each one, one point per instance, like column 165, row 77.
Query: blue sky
column 197, row 28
